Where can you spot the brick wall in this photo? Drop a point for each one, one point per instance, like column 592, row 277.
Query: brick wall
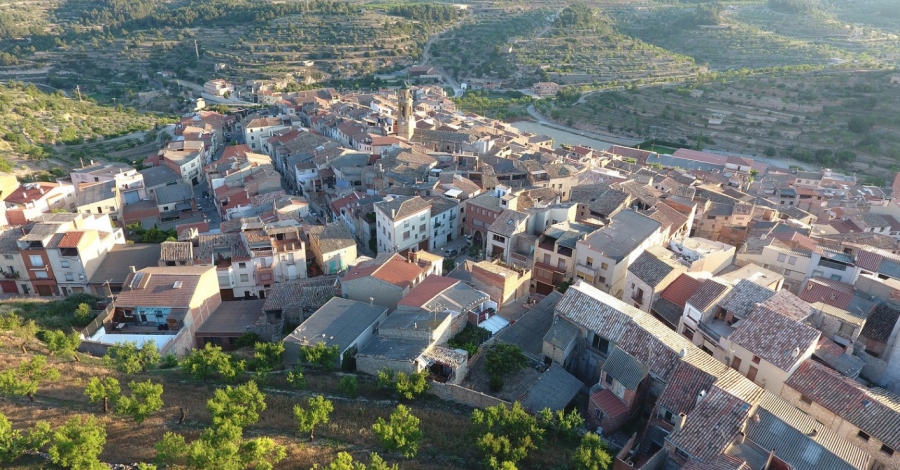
column 465, row 396
column 502, row 289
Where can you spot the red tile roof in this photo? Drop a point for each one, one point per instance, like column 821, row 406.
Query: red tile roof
column 681, row 289
column 427, row 290
column 235, row 151
column 684, row 386
column 39, row 190
column 396, row 270
column 71, row 239
column 607, row 401
column 835, row 293
column 868, row 261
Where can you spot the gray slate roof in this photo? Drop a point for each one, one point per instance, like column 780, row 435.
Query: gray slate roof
column 96, row 193
column 625, row 232
column 174, row 193
column 528, row 332
column 625, row 368
column 332, row 237
column 402, row 207
column 339, row 322
column 554, row 389
column 116, row 266
column 745, row 295
column 650, row 269
column 789, row 431
column 507, row 222
column 561, row 334
column 158, row 175
column 670, row 312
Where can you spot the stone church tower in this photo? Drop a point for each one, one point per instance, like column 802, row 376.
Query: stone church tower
column 406, row 123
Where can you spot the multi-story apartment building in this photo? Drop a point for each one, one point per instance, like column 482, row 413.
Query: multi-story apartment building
column 402, row 222
column 14, row 276
column 554, row 255
column 259, row 130
column 604, row 256
column 129, row 182
column 61, row 252
column 445, row 216
column 27, row 202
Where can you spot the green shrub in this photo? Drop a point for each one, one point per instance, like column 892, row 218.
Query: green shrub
column 349, row 385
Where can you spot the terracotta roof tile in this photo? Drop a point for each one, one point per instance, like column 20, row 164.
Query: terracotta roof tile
column 607, row 401
column 426, row 290
column 835, row 293
column 681, row 289
column 71, row 239
column 155, row 286
column 712, row 425
column 774, row 337
column 880, row 323
column 710, row 292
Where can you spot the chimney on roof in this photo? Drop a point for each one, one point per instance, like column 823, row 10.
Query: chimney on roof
column 132, row 269
column 371, row 300
column 679, row 423
column 700, row 397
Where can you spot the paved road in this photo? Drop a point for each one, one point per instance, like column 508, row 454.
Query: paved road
column 618, row 140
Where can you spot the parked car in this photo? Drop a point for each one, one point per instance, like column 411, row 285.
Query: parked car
column 469, row 238
column 452, row 253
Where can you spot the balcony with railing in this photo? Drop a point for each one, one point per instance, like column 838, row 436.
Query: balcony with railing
column 548, row 274
column 590, row 270
column 265, row 275
column 716, row 329
column 832, row 265
column 10, row 274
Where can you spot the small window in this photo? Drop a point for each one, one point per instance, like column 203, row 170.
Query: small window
column 604, row 266
column 590, row 262
column 41, row 274
column 406, row 235
column 847, row 329
column 668, row 416
column 242, row 265
column 64, row 263
column 599, row 415
column 600, row 343
column 782, row 257
column 609, row 379
column 756, row 359
column 601, row 279
column 863, row 436
column 806, row 399
column 792, row 260
column 245, row 278
column 887, row 450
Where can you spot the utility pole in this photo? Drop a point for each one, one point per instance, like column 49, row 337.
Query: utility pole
column 196, row 49
column 78, row 91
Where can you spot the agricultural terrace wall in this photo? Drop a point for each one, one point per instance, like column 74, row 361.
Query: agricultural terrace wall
column 465, row 396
